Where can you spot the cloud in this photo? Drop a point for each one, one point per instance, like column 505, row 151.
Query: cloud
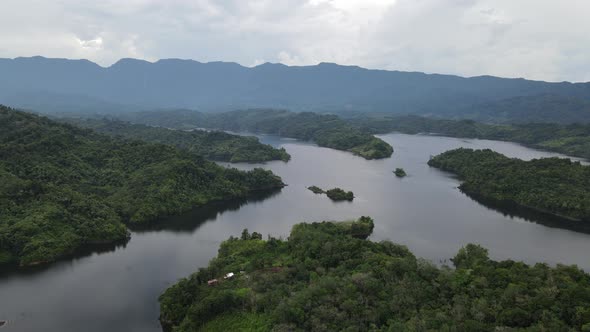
column 91, row 43
column 525, row 38
column 538, row 39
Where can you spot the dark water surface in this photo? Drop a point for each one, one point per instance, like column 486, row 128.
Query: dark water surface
column 117, row 288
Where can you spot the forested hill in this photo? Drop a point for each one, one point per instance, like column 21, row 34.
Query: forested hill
column 544, row 108
column 553, row 185
column 45, row 84
column 572, row 139
column 213, row 145
column 328, row 277
column 63, row 187
column 325, row 130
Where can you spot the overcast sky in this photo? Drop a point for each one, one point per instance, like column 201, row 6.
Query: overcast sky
column 536, row 39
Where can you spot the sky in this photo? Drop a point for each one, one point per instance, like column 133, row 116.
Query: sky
column 535, row 39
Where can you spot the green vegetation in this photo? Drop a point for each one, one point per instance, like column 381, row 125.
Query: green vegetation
column 62, row 187
column 554, row 185
column 400, row 172
column 325, row 130
column 316, row 190
column 238, row 321
column 326, row 278
column 337, row 194
column 573, row 139
column 6, row 257
column 214, row 145
column 542, row 108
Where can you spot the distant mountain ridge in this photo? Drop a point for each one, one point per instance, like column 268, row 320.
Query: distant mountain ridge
column 72, row 85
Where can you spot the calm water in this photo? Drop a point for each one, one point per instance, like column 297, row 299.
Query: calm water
column 117, row 289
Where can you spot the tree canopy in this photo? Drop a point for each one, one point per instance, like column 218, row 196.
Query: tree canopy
column 555, row 185
column 569, row 139
column 328, row 277
column 400, row 172
column 62, row 187
column 325, row 130
column 335, row 194
column 213, row 145
column 338, row 194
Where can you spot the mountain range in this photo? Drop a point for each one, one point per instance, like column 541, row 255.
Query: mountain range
column 62, row 85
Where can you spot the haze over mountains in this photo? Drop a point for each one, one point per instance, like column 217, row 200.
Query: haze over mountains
column 51, row 85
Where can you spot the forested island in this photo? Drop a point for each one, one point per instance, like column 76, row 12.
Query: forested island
column 213, row 145
column 552, row 185
column 316, row 190
column 569, row 139
column 325, row 130
column 400, row 172
column 64, row 187
column 335, row 194
column 328, row 277
column 338, row 194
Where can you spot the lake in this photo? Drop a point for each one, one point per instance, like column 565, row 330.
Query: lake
column 116, row 288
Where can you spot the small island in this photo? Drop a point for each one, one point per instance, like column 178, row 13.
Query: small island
column 337, row 194
column 316, row 190
column 400, row 173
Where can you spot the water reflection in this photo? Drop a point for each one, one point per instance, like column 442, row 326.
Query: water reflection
column 186, row 222
column 513, row 210
column 190, row 221
column 9, row 270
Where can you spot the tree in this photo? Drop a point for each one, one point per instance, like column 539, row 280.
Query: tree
column 470, row 256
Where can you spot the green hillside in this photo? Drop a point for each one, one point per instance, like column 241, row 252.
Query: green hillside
column 63, row 187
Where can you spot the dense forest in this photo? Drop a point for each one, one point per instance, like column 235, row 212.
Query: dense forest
column 213, row 145
column 329, row 277
column 338, row 194
column 62, row 187
column 542, row 108
column 342, row 132
column 554, row 185
column 325, row 130
column 572, row 139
